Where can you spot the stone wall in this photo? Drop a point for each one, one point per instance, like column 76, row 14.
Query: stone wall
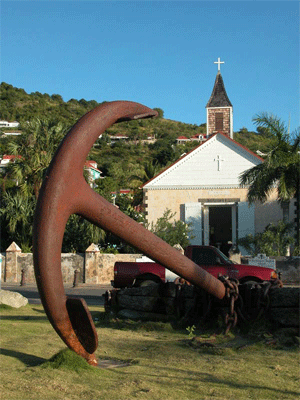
column 93, row 266
column 166, row 302
column 212, row 120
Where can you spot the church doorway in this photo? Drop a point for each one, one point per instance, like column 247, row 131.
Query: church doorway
column 220, row 227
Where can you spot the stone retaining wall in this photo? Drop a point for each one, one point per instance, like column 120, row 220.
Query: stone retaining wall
column 161, row 302
column 97, row 268
column 94, row 267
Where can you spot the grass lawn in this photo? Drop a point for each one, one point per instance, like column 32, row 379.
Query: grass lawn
column 161, row 363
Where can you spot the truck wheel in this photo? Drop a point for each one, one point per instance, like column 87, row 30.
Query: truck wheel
column 250, row 283
column 145, row 282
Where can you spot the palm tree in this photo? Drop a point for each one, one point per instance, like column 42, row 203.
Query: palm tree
column 280, row 169
column 150, row 169
column 16, row 215
column 35, row 149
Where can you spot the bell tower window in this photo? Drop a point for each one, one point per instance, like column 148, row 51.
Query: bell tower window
column 219, row 121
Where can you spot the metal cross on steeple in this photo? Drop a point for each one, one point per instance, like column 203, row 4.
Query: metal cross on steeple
column 219, row 62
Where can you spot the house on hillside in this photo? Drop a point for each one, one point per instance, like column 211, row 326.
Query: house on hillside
column 202, row 187
column 94, row 173
column 11, row 133
column 182, row 140
column 195, row 138
column 118, row 138
column 8, row 124
column 6, row 159
column 198, row 138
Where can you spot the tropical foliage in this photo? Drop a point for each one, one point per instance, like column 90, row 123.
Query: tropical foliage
column 34, row 151
column 281, row 166
column 17, row 105
column 273, row 241
column 16, row 217
column 280, row 169
column 172, row 231
column 124, row 164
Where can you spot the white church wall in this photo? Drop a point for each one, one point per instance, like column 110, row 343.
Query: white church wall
column 157, row 201
column 266, row 213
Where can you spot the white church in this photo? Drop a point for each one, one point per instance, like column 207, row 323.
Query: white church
column 202, row 187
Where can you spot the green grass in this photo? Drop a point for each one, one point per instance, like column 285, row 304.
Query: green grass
column 161, row 363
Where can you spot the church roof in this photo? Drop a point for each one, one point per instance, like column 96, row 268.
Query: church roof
column 197, row 167
column 219, row 96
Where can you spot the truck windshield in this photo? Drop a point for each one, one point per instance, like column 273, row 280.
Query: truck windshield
column 224, row 257
column 209, row 256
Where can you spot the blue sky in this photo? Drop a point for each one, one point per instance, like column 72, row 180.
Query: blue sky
column 158, row 53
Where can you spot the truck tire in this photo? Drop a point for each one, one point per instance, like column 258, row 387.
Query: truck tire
column 146, row 280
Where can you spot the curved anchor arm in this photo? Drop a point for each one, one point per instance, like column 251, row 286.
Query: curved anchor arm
column 65, row 192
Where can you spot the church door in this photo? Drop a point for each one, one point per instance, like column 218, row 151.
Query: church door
column 220, row 227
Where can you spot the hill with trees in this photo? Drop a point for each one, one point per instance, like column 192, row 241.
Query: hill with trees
column 44, row 119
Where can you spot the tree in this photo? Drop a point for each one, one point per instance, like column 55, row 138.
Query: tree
column 160, row 112
column 16, row 214
column 274, row 241
column 150, row 169
column 280, row 169
column 163, row 150
column 34, row 151
column 79, row 235
column 171, row 231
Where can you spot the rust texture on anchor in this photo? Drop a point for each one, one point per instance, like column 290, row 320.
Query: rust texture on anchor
column 65, row 192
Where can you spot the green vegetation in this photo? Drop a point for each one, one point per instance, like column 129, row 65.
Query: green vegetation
column 273, row 241
column 17, row 105
column 68, row 360
column 281, row 168
column 158, row 362
column 45, row 119
column 171, row 231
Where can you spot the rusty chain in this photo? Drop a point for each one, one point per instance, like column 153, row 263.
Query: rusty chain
column 232, row 295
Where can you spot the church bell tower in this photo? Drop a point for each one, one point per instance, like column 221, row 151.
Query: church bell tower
column 219, row 114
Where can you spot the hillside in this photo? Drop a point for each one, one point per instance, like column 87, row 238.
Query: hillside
column 124, row 164
column 17, row 105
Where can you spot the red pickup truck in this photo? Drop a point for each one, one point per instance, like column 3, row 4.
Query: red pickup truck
column 209, row 258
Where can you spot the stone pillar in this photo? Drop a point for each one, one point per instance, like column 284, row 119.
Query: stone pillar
column 12, row 273
column 91, row 264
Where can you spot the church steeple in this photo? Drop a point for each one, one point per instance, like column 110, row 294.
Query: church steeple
column 219, row 96
column 219, row 108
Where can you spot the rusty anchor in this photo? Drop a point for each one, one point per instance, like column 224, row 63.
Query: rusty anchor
column 65, row 192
